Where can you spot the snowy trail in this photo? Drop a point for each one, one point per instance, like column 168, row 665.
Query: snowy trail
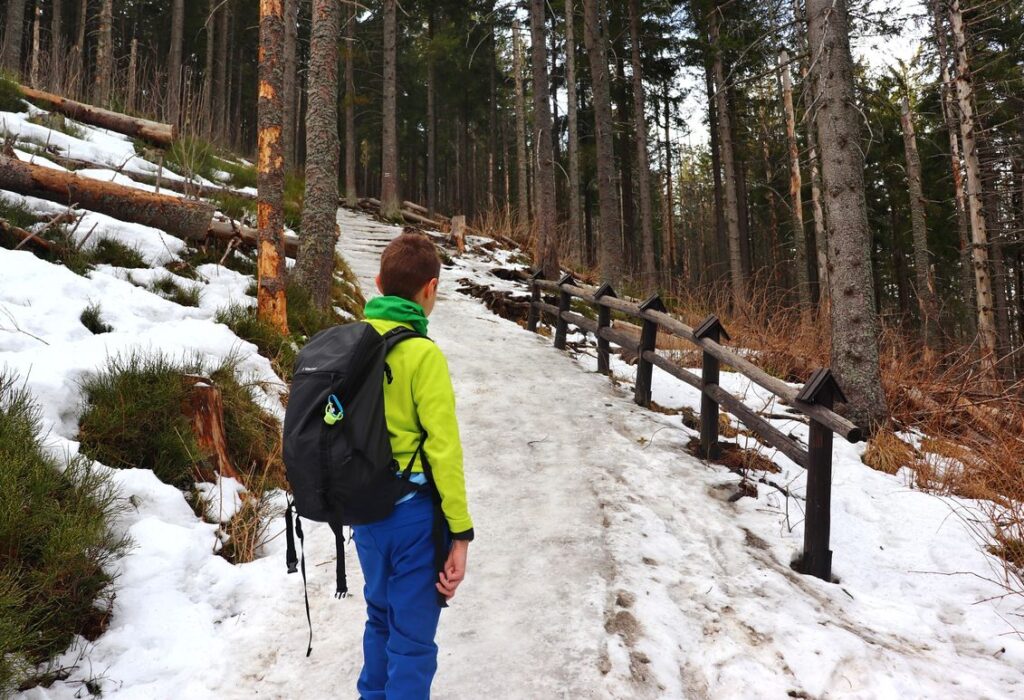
column 610, row 564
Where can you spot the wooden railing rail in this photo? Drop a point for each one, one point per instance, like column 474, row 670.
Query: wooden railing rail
column 814, row 400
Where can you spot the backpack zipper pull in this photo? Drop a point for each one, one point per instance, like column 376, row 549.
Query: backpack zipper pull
column 333, row 412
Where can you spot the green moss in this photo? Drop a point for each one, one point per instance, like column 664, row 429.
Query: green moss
column 55, row 543
column 90, row 318
column 109, row 251
column 10, row 96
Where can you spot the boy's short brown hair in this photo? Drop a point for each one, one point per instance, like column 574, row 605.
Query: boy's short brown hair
column 408, row 262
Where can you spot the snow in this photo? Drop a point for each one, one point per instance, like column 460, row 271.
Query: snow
column 609, row 562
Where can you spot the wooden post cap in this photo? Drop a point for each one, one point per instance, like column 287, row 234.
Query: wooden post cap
column 567, row 278
column 821, row 384
column 653, row 303
column 708, row 326
column 605, row 290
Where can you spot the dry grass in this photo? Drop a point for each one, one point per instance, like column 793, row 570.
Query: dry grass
column 245, row 534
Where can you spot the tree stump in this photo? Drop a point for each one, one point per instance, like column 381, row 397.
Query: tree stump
column 206, row 409
column 458, row 233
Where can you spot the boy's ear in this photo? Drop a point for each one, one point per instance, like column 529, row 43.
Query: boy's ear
column 379, row 288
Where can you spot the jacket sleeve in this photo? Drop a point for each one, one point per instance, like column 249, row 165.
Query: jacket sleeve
column 435, row 406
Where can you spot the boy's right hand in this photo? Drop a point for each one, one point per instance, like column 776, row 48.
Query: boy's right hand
column 454, row 569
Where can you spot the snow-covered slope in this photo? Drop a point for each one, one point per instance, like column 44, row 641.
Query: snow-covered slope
column 609, row 563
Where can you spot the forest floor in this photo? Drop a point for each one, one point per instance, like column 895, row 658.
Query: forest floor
column 609, row 563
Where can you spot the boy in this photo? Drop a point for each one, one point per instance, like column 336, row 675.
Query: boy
column 403, row 588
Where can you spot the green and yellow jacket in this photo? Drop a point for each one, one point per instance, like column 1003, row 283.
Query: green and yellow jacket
column 421, row 399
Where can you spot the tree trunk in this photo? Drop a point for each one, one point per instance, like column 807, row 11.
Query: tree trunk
column 174, row 66
column 315, row 266
column 78, row 58
column 721, row 240
column 177, row 216
column 575, row 232
column 431, row 120
column 854, row 319
column 949, row 115
column 209, row 71
column 105, row 54
column 55, row 78
column 522, row 188
column 723, row 111
column 131, row 93
column 609, row 231
column 796, row 204
column 291, row 79
column 389, row 195
column 926, row 297
column 220, row 81
column 649, row 272
column 668, row 226
column 270, row 298
column 987, row 343
column 351, row 194
column 546, row 252
column 162, row 135
column 33, row 73
column 10, row 57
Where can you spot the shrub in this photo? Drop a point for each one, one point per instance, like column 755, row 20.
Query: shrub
column 134, row 418
column 10, row 96
column 17, row 214
column 241, row 175
column 90, row 318
column 191, row 156
column 169, row 289
column 304, row 317
column 274, row 346
column 109, row 251
column 239, row 208
column 54, row 544
column 248, row 530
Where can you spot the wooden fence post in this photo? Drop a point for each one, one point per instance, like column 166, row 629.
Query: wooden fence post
column 533, row 317
column 648, row 342
column 564, row 304
column 604, row 320
column 823, row 390
column 711, row 328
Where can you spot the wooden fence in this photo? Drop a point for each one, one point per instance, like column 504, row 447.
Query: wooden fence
column 814, row 400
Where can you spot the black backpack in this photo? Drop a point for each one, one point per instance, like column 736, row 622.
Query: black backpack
column 337, row 452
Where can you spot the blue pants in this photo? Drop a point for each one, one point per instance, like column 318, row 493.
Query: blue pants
column 397, row 558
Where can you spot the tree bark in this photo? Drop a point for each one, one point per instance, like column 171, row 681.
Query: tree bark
column 546, row 253
column 926, row 297
column 78, row 58
column 291, row 79
column 177, row 216
column 105, row 54
column 649, row 272
column 315, row 266
column 209, row 71
column 36, row 45
column 723, row 111
column 949, row 115
column 609, row 231
column 987, row 343
column 220, row 82
column 389, row 195
column 522, row 188
column 131, row 93
column 156, row 133
column 10, row 57
column 796, row 205
column 174, row 66
column 55, row 79
column 668, row 225
column 351, row 195
column 431, row 119
column 270, row 297
column 575, row 232
column 854, row 320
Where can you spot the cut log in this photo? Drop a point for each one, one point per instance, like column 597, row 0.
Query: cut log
column 25, row 236
column 186, row 187
column 179, row 217
column 157, row 133
column 420, row 209
column 206, row 410
column 225, row 230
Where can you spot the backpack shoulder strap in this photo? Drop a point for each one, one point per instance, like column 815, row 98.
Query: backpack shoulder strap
column 398, row 334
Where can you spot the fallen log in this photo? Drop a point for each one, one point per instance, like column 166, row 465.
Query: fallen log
column 157, row 133
column 373, row 205
column 185, row 187
column 420, row 209
column 224, row 230
column 179, row 217
column 25, row 236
